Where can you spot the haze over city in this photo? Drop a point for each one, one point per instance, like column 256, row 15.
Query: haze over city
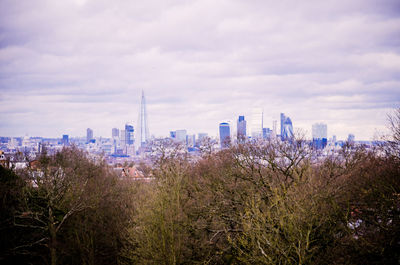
column 70, row 65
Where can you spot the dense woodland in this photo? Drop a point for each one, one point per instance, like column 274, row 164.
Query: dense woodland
column 255, row 203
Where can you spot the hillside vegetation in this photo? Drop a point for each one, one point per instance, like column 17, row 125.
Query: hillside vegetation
column 255, row 203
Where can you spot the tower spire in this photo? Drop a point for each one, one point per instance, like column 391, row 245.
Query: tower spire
column 143, row 129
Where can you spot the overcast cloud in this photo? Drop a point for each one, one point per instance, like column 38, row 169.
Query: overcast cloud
column 72, row 64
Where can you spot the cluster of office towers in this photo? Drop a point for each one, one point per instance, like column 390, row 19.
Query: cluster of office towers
column 123, row 141
column 183, row 137
column 258, row 131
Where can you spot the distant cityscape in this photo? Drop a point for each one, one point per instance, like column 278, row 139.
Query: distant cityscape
column 130, row 144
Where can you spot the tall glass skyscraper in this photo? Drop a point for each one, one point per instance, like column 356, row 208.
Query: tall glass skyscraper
column 143, row 129
column 65, row 139
column 320, row 135
column 257, row 123
column 224, row 134
column 180, row 135
column 129, row 134
column 89, row 134
column 123, row 140
column 115, row 133
column 241, row 129
column 115, row 139
column 286, row 128
column 129, row 147
column 267, row 132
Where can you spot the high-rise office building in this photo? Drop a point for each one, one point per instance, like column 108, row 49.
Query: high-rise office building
column 267, row 132
column 351, row 138
column 241, row 129
column 180, row 136
column 143, row 129
column 115, row 139
column 129, row 134
column 257, row 123
column 127, row 140
column 123, row 139
column 172, row 134
column 319, row 131
column 65, row 139
column 286, row 128
column 320, row 135
column 115, row 133
column 191, row 140
column 89, row 135
column 224, row 134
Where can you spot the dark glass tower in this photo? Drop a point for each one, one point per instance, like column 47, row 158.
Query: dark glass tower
column 89, row 135
column 282, row 121
column 241, row 129
column 65, row 139
column 129, row 137
column 224, row 134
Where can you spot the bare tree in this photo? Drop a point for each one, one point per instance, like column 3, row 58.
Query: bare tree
column 56, row 194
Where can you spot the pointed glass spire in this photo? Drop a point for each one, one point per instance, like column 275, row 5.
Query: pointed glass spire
column 143, row 129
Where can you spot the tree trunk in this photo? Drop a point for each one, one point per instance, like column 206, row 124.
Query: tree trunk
column 53, row 239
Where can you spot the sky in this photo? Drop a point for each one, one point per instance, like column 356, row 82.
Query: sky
column 73, row 64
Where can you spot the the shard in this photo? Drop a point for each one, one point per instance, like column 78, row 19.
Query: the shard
column 142, row 128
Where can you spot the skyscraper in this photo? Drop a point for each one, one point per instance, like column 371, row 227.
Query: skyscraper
column 65, row 139
column 129, row 139
column 190, row 140
column 241, row 129
column 89, row 134
column 180, row 136
column 224, row 134
column 257, row 123
column 123, row 140
column 143, row 129
column 129, row 136
column 286, row 128
column 320, row 135
column 115, row 133
column 267, row 133
column 115, row 139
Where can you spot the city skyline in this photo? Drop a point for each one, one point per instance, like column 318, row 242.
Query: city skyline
column 241, row 130
column 66, row 66
column 255, row 113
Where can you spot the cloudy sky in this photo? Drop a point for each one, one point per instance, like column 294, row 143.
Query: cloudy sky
column 72, row 64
